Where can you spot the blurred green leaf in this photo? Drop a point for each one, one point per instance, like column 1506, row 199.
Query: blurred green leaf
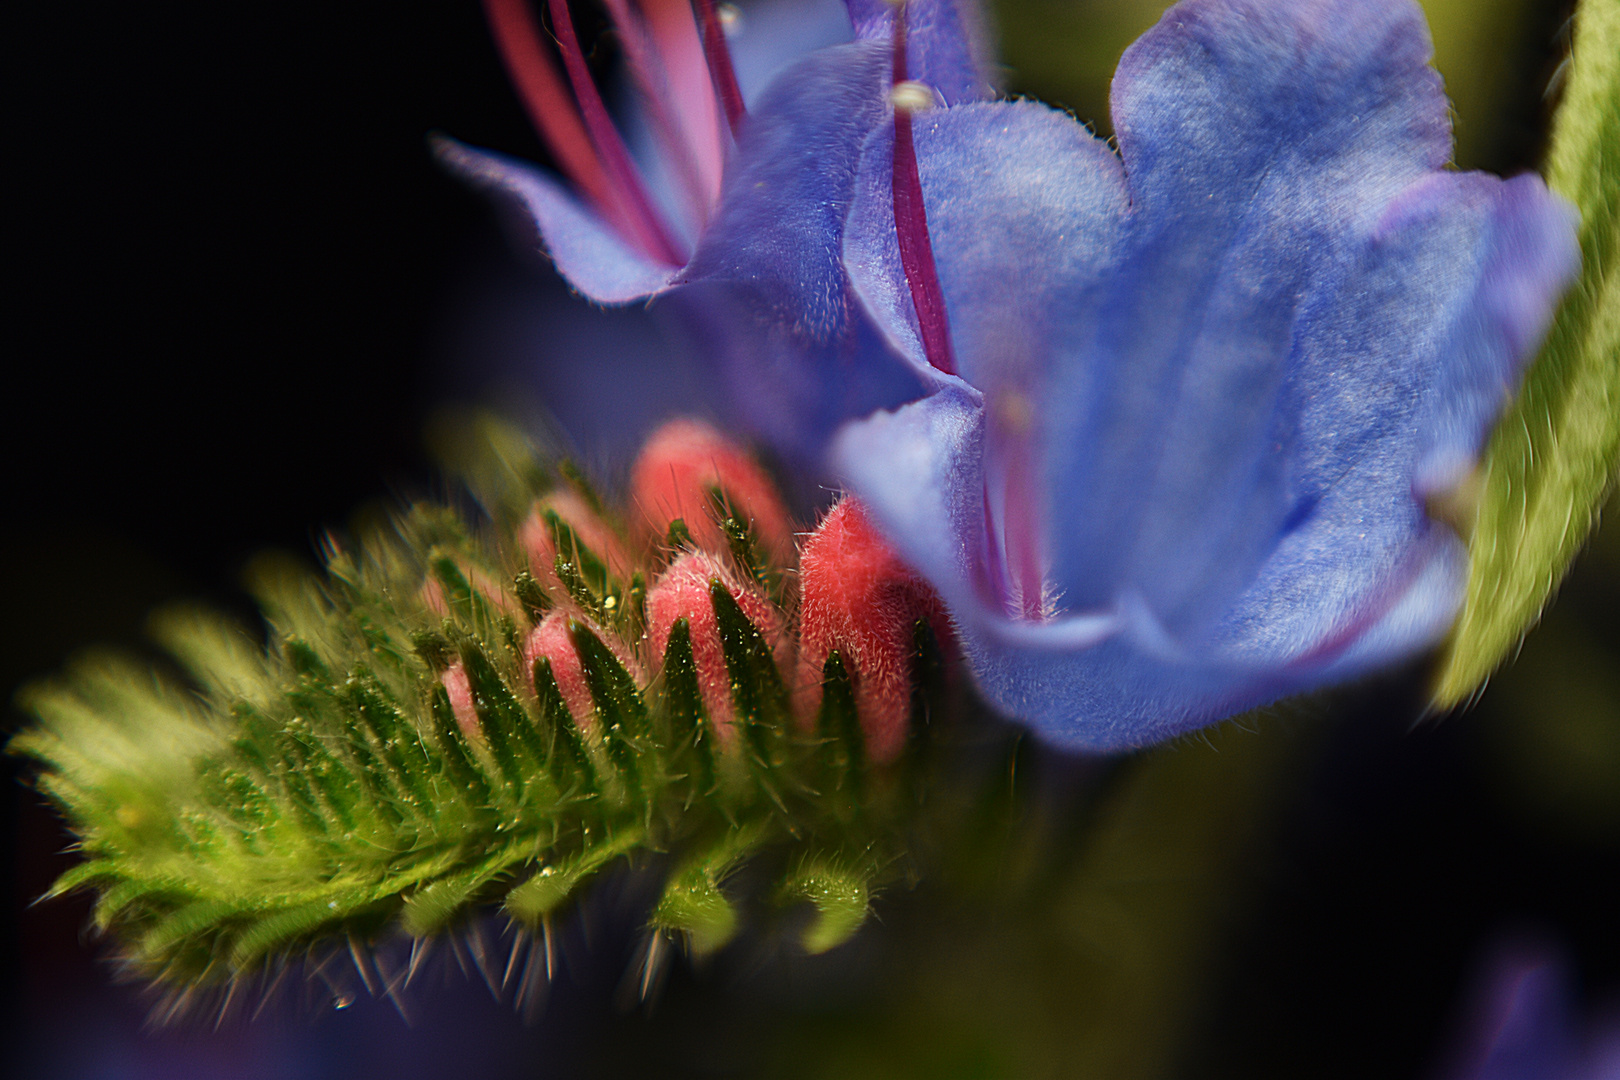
column 1552, row 460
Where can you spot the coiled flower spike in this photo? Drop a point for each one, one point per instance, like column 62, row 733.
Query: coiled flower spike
column 434, row 728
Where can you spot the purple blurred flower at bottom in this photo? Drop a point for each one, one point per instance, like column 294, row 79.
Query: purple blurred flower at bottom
column 1197, row 398
column 1524, row 1027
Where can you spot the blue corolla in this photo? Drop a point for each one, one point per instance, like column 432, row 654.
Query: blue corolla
column 1197, row 400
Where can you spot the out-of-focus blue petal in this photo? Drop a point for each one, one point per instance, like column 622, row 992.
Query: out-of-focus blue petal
column 767, row 291
column 1526, row 1024
column 1526, row 1030
column 1058, row 218
column 588, row 252
column 773, row 34
column 1243, row 384
column 780, row 221
column 771, row 381
column 947, row 46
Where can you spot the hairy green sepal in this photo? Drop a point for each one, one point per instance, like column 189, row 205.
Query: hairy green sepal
column 1551, row 462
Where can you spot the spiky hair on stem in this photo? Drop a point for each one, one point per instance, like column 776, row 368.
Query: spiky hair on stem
column 451, row 717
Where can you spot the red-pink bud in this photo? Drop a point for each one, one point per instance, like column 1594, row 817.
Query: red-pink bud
column 677, row 469
column 553, row 640
column 433, row 593
column 682, row 592
column 859, row 598
column 459, row 689
column 541, row 546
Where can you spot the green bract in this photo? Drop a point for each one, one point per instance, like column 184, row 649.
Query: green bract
column 1552, row 460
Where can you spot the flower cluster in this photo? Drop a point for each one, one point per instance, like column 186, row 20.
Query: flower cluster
column 1171, row 426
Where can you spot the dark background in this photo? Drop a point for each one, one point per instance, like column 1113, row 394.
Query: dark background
column 238, row 289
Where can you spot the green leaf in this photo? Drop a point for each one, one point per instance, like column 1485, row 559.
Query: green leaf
column 438, row 903
column 843, row 747
column 1552, row 460
column 693, row 904
column 619, row 706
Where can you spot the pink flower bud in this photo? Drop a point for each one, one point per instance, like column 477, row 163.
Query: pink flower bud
column 682, row 592
column 678, row 467
column 459, row 689
column 541, row 546
column 553, row 640
column 433, row 593
column 859, row 598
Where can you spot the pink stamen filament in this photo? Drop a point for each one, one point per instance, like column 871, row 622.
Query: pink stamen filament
column 911, row 226
column 640, row 219
column 993, row 577
column 721, row 71
column 546, row 99
column 1022, row 535
column 1012, row 575
column 650, row 67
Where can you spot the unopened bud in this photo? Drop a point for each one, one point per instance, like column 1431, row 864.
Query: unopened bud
column 683, row 463
column 539, row 536
column 553, row 641
column 683, row 592
column 860, row 599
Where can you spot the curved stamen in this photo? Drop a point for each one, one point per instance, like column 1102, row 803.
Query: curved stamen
column 660, row 68
column 720, row 68
column 1013, row 574
column 911, row 218
column 1010, row 439
column 545, row 98
column 647, row 229
column 991, row 573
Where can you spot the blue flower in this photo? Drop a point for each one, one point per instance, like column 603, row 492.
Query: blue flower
column 730, row 202
column 1194, row 401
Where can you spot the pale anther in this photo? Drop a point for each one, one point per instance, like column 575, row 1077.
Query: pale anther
column 911, row 96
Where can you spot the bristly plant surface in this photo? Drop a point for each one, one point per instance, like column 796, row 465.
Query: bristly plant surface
column 1553, row 459
column 321, row 790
